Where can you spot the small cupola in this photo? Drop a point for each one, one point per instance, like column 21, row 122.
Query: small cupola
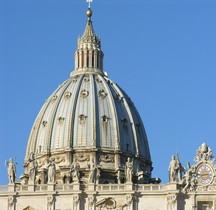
column 88, row 56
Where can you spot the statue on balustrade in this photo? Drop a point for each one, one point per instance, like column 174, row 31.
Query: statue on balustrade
column 75, row 169
column 11, row 171
column 94, row 174
column 33, row 167
column 176, row 170
column 51, row 171
column 189, row 181
column 129, row 170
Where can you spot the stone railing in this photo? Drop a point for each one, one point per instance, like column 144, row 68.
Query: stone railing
column 138, row 187
column 41, row 187
column 111, row 187
column 150, row 187
column 21, row 188
column 70, row 187
column 64, row 187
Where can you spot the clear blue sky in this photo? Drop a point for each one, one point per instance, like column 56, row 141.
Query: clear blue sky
column 161, row 52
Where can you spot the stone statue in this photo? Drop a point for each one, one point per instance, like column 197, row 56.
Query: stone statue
column 129, row 170
column 51, row 170
column 94, row 174
column 98, row 174
column 189, row 181
column 33, row 167
column 74, row 168
column 118, row 175
column 172, row 169
column 11, row 171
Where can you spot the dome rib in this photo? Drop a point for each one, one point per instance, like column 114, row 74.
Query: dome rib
column 93, row 100
column 73, row 100
column 141, row 145
column 135, row 141
column 111, row 105
column 125, row 129
column 53, row 113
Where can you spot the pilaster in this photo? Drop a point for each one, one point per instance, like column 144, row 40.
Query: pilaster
column 76, row 202
column 51, row 202
column 172, row 202
column 12, row 202
column 91, row 202
column 130, row 202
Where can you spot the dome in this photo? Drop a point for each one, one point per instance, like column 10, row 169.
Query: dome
column 89, row 111
column 89, row 119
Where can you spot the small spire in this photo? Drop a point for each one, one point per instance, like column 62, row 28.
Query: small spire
column 89, row 31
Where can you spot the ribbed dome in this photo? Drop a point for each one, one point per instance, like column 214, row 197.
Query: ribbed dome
column 89, row 120
column 89, row 110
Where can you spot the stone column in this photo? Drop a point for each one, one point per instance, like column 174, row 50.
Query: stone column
column 90, row 58
column 95, row 59
column 76, row 60
column 85, row 58
column 80, row 58
column 98, row 60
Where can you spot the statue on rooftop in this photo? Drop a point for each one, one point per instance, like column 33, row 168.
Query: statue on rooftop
column 176, row 170
column 11, row 171
column 189, row 181
column 172, row 169
column 51, row 170
column 74, row 168
column 94, row 174
column 129, row 170
column 33, row 167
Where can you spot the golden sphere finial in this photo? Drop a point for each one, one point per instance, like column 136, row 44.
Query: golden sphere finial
column 89, row 12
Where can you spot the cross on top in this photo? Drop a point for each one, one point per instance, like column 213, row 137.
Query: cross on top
column 89, row 2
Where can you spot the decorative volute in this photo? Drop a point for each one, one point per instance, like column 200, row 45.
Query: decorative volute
column 88, row 56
